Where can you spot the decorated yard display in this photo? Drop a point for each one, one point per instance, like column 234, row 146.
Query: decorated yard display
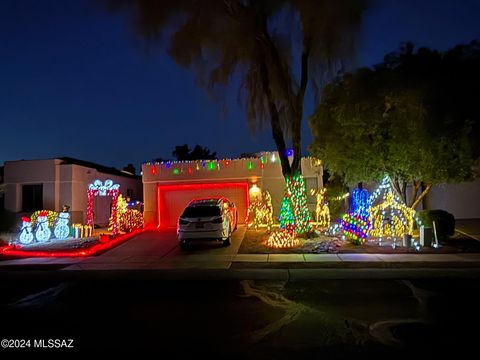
column 260, row 212
column 297, row 197
column 62, row 230
column 322, row 211
column 43, row 232
column 99, row 188
column 80, row 230
column 131, row 220
column 127, row 219
column 26, row 234
column 51, row 216
column 355, row 227
column 286, row 214
column 356, row 223
column 391, row 217
column 361, row 201
column 283, row 239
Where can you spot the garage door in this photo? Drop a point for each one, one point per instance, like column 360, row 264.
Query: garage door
column 172, row 199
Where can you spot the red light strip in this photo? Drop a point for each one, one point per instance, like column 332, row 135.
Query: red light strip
column 12, row 251
column 201, row 186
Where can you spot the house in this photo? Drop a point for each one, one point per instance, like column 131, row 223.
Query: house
column 169, row 186
column 50, row 184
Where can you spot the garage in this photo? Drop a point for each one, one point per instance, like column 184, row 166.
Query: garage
column 172, row 199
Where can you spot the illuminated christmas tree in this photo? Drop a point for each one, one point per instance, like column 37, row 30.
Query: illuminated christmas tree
column 297, row 192
column 286, row 214
column 122, row 207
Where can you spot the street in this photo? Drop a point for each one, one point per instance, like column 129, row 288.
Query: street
column 254, row 319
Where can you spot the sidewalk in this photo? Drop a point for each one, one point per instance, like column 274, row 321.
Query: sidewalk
column 253, row 261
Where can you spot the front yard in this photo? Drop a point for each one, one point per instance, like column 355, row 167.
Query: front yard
column 254, row 242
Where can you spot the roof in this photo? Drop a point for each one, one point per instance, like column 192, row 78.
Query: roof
column 101, row 168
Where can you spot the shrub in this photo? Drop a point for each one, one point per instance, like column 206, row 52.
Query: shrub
column 7, row 220
column 444, row 221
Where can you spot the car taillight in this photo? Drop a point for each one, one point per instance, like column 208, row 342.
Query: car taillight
column 218, row 220
column 182, row 222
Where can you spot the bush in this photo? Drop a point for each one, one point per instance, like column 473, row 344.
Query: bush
column 444, row 221
column 7, row 220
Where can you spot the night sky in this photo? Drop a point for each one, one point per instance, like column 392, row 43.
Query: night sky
column 75, row 81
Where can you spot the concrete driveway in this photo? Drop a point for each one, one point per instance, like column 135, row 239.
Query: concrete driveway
column 160, row 250
column 469, row 228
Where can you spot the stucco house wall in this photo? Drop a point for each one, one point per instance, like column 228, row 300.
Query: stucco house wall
column 462, row 200
column 63, row 183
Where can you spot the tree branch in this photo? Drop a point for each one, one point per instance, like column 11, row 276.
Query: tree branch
column 424, row 192
column 416, row 186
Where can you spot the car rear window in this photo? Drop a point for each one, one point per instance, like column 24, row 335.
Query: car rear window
column 201, row 211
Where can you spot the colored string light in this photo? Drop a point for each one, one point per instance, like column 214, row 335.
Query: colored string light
column 97, row 188
column 260, row 212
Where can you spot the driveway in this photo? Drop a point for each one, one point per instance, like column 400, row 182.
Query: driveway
column 160, row 250
column 469, row 227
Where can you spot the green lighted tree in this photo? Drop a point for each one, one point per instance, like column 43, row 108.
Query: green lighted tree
column 286, row 214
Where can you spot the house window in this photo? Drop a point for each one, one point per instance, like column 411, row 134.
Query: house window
column 311, row 183
column 32, row 197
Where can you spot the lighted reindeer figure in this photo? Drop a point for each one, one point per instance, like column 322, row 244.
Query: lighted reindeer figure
column 322, row 210
column 268, row 213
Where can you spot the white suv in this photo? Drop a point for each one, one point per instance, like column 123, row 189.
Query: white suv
column 204, row 219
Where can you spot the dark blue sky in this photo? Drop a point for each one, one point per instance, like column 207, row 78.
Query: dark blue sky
column 75, row 81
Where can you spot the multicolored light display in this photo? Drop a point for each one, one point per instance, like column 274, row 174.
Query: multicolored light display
column 51, row 216
column 355, row 227
column 260, row 212
column 283, row 239
column 286, row 217
column 189, row 166
column 97, row 188
column 131, row 220
column 297, row 195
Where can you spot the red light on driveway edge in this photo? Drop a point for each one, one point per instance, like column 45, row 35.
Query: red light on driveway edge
column 12, row 251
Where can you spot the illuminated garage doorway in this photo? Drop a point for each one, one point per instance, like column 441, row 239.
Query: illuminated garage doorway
column 172, row 199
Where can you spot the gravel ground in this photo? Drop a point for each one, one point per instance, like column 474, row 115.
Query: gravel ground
column 254, row 243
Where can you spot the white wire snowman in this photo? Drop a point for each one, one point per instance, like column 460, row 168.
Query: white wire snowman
column 42, row 232
column 26, row 234
column 62, row 230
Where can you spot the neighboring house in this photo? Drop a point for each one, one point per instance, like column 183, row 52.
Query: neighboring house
column 49, row 184
column 169, row 186
column 462, row 199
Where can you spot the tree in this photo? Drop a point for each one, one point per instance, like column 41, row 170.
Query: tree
column 402, row 118
column 273, row 49
column 183, row 152
column 130, row 169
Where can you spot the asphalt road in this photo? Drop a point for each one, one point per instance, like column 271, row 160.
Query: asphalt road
column 324, row 319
